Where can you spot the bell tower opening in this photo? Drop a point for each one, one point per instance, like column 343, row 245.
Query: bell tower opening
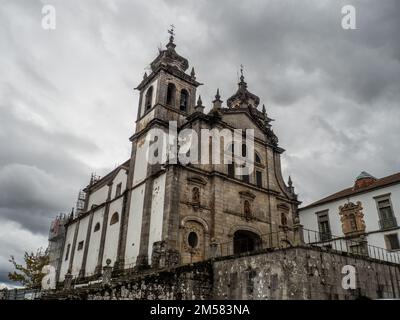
column 171, row 90
column 245, row 241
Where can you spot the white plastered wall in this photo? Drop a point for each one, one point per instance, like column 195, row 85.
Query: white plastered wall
column 308, row 217
column 157, row 212
column 94, row 243
column 112, row 235
column 69, row 238
column 78, row 255
column 134, row 225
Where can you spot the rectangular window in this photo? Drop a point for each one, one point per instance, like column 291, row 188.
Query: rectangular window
column 392, row 241
column 323, row 225
column 118, row 190
column 246, row 178
column 67, row 253
column 259, row 179
column 80, row 245
column 387, row 219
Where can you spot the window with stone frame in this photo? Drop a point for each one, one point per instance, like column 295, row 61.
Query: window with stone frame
column 392, row 241
column 385, row 210
column 193, row 239
column 171, row 91
column 184, row 100
column 148, row 99
column 118, row 189
column 114, row 218
column 323, row 225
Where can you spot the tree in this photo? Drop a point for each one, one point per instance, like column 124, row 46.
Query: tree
column 30, row 275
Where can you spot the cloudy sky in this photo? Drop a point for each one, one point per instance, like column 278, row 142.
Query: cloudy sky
column 67, row 104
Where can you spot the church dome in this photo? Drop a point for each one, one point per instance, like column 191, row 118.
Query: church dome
column 169, row 57
column 243, row 97
column 364, row 179
column 363, row 175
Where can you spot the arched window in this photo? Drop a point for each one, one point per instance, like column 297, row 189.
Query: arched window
column 97, row 227
column 196, row 195
column 149, row 98
column 193, row 239
column 244, row 150
column 171, row 94
column 245, row 241
column 114, row 218
column 184, row 100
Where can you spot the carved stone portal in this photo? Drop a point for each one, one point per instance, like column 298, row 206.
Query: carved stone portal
column 351, row 217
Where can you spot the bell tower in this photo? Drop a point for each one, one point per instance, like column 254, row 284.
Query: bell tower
column 168, row 93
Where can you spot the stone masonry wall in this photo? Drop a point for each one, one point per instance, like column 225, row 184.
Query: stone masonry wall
column 302, row 273
column 189, row 282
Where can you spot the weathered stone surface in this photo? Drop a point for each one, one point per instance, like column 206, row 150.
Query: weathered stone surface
column 302, row 273
column 292, row 273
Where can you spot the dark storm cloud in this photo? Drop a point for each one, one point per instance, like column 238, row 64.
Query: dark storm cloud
column 67, row 105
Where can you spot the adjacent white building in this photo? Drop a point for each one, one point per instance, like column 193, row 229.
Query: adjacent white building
column 367, row 212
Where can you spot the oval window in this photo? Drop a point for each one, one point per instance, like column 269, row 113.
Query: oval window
column 192, row 239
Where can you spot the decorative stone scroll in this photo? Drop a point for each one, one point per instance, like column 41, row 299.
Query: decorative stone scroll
column 351, row 217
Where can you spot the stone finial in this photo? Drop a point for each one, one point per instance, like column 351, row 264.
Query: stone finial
column 199, row 106
column 264, row 111
column 193, row 74
column 290, row 185
column 241, row 73
column 217, row 96
column 145, row 75
column 217, row 102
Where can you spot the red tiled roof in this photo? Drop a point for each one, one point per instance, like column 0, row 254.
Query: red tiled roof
column 379, row 183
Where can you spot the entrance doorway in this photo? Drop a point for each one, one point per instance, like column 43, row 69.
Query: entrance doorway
column 245, row 241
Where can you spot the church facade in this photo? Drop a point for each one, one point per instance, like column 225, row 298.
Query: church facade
column 144, row 215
